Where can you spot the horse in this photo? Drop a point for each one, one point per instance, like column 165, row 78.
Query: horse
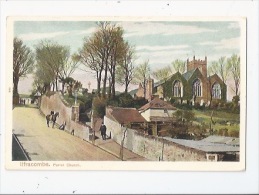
column 52, row 117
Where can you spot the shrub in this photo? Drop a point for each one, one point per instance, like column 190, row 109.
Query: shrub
column 125, row 100
column 99, row 105
column 139, row 102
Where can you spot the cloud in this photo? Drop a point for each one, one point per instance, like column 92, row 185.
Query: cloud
column 85, row 32
column 158, row 59
column 161, row 48
column 35, row 36
column 148, row 28
column 232, row 43
column 233, row 25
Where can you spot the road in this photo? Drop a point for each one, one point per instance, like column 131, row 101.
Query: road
column 43, row 143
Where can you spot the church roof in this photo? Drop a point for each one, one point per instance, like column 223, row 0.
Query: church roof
column 157, row 103
column 188, row 74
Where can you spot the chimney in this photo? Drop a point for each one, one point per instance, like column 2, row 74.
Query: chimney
column 150, row 88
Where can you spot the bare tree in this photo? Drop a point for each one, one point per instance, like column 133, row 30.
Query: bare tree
column 125, row 69
column 23, row 61
column 221, row 68
column 142, row 74
column 92, row 57
column 234, row 66
column 162, row 74
column 179, row 66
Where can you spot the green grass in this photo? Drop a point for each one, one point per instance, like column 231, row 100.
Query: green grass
column 220, row 118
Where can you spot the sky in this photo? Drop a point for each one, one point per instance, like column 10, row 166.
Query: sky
column 160, row 42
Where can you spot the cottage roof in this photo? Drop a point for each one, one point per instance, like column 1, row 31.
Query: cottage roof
column 157, row 103
column 204, row 146
column 125, row 115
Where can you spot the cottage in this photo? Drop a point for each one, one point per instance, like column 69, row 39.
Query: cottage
column 157, row 110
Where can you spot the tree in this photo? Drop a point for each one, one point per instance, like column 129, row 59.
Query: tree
column 69, row 67
column 125, row 70
column 73, row 85
column 162, row 74
column 142, row 74
column 118, row 49
column 188, row 115
column 234, row 66
column 221, row 68
column 54, row 63
column 23, row 61
column 179, row 66
column 178, row 114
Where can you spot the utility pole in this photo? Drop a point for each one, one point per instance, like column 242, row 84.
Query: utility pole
column 122, row 143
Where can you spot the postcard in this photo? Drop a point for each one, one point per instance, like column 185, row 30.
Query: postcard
column 126, row 93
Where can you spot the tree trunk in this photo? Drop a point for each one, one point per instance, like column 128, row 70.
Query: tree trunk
column 105, row 79
column 15, row 85
column 98, row 84
column 113, row 82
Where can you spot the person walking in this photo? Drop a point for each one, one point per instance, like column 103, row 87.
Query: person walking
column 103, row 131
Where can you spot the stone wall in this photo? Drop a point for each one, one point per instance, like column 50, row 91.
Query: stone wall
column 150, row 147
column 55, row 102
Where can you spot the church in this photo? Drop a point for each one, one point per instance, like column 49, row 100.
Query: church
column 194, row 86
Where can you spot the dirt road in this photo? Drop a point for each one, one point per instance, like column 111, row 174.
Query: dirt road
column 44, row 143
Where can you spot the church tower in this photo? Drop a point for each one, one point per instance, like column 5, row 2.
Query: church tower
column 201, row 64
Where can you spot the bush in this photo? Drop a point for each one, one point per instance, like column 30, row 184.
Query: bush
column 99, row 105
column 139, row 102
column 125, row 100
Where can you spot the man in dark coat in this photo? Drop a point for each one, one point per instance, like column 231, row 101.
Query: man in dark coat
column 103, row 131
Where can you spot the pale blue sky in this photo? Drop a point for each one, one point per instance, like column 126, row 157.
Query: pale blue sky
column 161, row 41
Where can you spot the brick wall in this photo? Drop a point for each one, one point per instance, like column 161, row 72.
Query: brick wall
column 55, row 103
column 151, row 147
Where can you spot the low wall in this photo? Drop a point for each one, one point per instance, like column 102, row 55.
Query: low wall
column 150, row 147
column 55, row 102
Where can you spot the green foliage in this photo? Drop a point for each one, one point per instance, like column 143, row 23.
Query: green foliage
column 188, row 115
column 178, row 114
column 99, row 105
column 139, row 102
column 23, row 61
column 179, row 65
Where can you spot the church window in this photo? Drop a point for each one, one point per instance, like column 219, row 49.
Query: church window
column 216, row 91
column 197, row 88
column 177, row 89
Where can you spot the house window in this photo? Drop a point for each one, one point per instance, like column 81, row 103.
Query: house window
column 177, row 89
column 197, row 88
column 216, row 91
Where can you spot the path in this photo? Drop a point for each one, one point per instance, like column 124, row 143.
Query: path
column 44, row 143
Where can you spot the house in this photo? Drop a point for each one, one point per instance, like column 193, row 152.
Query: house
column 157, row 110
column 193, row 86
column 159, row 115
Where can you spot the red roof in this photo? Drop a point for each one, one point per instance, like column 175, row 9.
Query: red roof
column 125, row 115
column 157, row 103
